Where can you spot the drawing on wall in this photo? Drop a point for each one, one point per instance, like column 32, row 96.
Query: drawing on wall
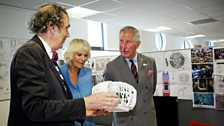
column 178, row 64
column 219, row 83
column 218, row 68
column 219, row 101
column 98, row 65
column 7, row 49
column 180, row 78
column 177, row 60
column 183, row 91
column 218, row 63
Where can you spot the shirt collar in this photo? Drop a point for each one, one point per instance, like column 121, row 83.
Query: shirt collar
column 47, row 47
column 134, row 59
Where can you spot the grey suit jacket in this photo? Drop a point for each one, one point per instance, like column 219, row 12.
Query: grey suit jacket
column 144, row 113
column 38, row 96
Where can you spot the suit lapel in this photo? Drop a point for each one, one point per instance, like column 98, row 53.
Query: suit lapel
column 38, row 41
column 125, row 71
column 142, row 71
column 143, row 66
column 52, row 67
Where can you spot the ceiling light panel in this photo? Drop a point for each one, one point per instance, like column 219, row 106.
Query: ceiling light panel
column 80, row 12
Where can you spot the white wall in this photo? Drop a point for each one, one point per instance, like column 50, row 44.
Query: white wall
column 173, row 42
column 147, row 42
column 111, row 37
column 4, row 110
column 13, row 24
column 78, row 29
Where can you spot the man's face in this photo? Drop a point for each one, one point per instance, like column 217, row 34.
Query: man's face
column 79, row 58
column 127, row 46
column 61, row 33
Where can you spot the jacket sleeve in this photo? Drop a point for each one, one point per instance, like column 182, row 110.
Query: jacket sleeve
column 155, row 76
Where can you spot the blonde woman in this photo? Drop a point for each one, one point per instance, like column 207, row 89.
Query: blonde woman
column 78, row 77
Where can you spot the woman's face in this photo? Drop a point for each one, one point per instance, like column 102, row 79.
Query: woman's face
column 79, row 58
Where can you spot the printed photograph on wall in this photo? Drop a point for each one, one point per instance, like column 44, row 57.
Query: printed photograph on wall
column 201, row 55
column 204, row 100
column 219, row 54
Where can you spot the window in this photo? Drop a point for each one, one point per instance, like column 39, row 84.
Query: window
column 210, row 44
column 187, row 44
column 160, row 40
column 95, row 35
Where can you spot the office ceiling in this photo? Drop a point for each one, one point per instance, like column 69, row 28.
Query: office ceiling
column 185, row 17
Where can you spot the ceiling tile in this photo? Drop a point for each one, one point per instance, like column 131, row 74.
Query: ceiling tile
column 104, row 5
column 102, row 17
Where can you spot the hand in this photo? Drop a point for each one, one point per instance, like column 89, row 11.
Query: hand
column 96, row 112
column 105, row 101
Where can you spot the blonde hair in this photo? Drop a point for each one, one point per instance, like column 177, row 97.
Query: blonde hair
column 132, row 30
column 74, row 46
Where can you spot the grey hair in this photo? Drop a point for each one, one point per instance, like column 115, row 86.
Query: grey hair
column 132, row 30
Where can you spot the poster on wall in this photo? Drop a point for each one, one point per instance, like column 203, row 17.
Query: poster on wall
column 208, row 77
column 173, row 73
column 203, row 82
column 7, row 49
column 218, row 77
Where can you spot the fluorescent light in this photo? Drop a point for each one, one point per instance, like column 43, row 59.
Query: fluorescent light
column 80, row 12
column 163, row 28
column 195, row 36
column 157, row 29
column 213, row 41
column 152, row 30
column 221, row 40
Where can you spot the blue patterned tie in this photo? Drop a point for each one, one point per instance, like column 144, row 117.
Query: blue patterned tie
column 134, row 70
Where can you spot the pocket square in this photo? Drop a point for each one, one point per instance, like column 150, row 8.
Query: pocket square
column 150, row 72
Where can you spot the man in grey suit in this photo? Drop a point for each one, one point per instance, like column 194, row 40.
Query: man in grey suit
column 142, row 75
column 39, row 94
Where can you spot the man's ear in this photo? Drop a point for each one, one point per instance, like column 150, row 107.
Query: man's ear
column 51, row 28
column 138, row 44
